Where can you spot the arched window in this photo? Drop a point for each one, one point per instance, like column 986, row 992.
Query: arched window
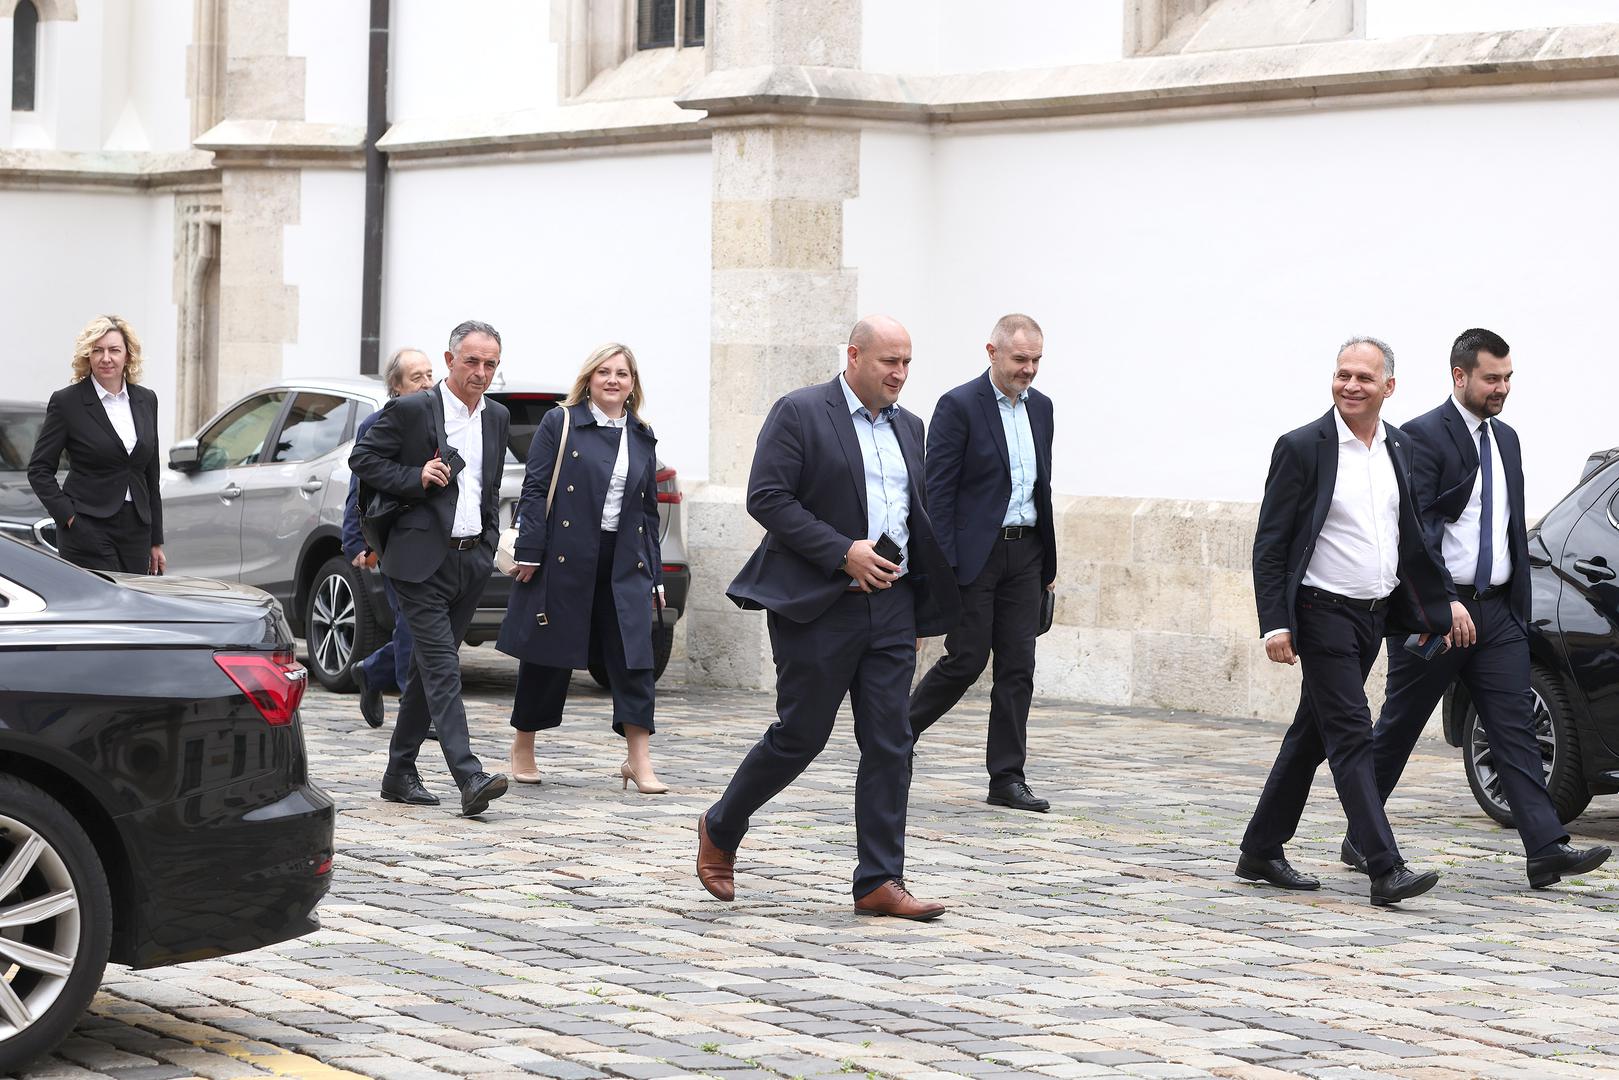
column 24, row 55
column 662, row 24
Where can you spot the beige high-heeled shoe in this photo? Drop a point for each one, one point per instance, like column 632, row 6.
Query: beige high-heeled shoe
column 523, row 775
column 645, row 787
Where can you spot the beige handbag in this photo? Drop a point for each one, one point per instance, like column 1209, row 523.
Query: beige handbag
column 506, row 549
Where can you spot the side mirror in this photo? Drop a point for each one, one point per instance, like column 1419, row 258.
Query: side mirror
column 184, row 456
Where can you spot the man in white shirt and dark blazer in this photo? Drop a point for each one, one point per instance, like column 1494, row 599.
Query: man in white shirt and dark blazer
column 1339, row 561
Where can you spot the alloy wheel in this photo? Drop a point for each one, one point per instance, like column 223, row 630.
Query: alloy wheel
column 332, row 622
column 39, row 926
column 1483, row 757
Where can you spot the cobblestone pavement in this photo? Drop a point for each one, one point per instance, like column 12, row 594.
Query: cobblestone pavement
column 566, row 936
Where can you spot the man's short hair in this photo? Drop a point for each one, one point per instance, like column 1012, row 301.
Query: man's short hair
column 1008, row 325
column 1469, row 343
column 1378, row 343
column 466, row 330
column 393, row 372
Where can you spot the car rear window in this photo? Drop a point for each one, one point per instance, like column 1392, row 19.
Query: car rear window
column 526, row 410
column 18, row 431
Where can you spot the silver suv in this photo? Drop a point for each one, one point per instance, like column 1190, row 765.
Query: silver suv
column 257, row 497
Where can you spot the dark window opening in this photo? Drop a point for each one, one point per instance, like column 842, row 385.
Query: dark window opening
column 664, row 24
column 24, row 55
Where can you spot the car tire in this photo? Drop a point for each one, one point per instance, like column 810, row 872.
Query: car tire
column 339, row 627
column 51, row 856
column 663, row 643
column 1560, row 751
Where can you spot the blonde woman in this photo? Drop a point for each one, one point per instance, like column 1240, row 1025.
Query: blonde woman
column 108, row 512
column 589, row 571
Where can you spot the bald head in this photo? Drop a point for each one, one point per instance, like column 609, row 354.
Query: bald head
column 879, row 360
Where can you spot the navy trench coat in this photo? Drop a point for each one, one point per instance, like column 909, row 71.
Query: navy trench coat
column 567, row 546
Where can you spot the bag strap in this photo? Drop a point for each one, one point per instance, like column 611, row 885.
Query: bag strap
column 556, row 469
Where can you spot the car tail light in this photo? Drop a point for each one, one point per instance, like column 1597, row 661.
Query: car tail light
column 668, row 487
column 273, row 682
column 673, row 568
column 323, row 865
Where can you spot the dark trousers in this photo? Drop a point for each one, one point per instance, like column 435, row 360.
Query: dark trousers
column 389, row 667
column 1337, row 645
column 863, row 646
column 439, row 610
column 1495, row 671
column 122, row 542
column 542, row 690
column 1000, row 612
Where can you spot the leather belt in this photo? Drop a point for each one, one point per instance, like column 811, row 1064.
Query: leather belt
column 1016, row 532
column 464, row 543
column 1488, row 594
column 1313, row 593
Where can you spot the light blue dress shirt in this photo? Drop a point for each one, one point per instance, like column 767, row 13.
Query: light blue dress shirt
column 1019, row 454
column 888, row 490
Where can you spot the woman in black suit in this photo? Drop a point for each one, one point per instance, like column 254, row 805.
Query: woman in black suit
column 109, row 511
column 590, row 570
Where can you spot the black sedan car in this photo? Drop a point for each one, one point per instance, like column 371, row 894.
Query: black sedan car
column 155, row 806
column 1574, row 647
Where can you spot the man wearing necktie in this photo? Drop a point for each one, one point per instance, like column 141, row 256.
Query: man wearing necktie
column 1467, row 475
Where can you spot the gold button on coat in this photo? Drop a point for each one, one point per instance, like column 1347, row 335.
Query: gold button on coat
column 570, row 487
column 576, row 453
column 564, row 524
column 562, row 558
column 640, row 566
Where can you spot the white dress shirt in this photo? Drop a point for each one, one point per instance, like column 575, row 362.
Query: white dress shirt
column 464, row 430
column 1358, row 552
column 123, row 420
column 1461, row 535
column 621, row 469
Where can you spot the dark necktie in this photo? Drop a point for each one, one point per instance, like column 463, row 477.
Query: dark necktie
column 1486, row 511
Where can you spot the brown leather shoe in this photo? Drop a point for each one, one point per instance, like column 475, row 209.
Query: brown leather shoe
column 892, row 898
column 714, row 864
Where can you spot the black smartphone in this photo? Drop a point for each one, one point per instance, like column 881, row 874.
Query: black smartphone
column 452, row 457
column 887, row 549
column 1427, row 651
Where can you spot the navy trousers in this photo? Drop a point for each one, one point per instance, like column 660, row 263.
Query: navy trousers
column 864, row 647
column 389, row 667
column 1336, row 645
column 1495, row 671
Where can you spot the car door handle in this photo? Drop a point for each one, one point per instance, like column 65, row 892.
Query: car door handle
column 311, row 485
column 1596, row 569
column 230, row 492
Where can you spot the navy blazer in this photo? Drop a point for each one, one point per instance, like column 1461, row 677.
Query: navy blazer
column 353, row 542
column 807, row 488
column 390, row 458
column 567, row 544
column 1298, row 494
column 1444, row 467
column 100, row 470
column 970, row 476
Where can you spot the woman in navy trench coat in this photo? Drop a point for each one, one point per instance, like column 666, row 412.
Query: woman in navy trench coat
column 590, row 571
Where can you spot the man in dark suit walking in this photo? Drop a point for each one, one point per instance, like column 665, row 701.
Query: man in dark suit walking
column 1463, row 460
column 989, row 496
column 850, row 574
column 441, row 451
column 1339, row 561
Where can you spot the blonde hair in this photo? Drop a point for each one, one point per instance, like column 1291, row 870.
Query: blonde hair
column 98, row 328
column 581, row 385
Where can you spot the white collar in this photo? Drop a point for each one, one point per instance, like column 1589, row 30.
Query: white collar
column 456, row 405
column 1472, row 418
column 1344, row 434
column 606, row 421
column 121, row 395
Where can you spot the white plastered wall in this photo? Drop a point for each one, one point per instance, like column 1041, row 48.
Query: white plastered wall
column 324, row 258
column 495, row 56
column 562, row 255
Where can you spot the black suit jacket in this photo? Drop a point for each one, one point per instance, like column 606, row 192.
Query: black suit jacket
column 808, row 489
column 1298, row 494
column 100, row 471
column 390, row 456
column 1444, row 467
column 970, row 476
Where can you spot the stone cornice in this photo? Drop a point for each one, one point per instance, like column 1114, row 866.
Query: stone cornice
column 284, row 144
column 1342, row 69
column 133, row 170
column 570, row 127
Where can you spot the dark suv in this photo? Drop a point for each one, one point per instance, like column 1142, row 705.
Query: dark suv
column 257, row 496
column 1574, row 648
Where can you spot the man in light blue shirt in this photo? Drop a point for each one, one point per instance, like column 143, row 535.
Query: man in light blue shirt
column 888, row 497
column 989, row 497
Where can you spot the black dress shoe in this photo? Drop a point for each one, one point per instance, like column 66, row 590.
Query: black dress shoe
column 1401, row 883
column 370, row 700
column 1350, row 855
column 1018, row 797
column 1277, row 872
column 1546, row 870
column 406, row 788
column 480, row 791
